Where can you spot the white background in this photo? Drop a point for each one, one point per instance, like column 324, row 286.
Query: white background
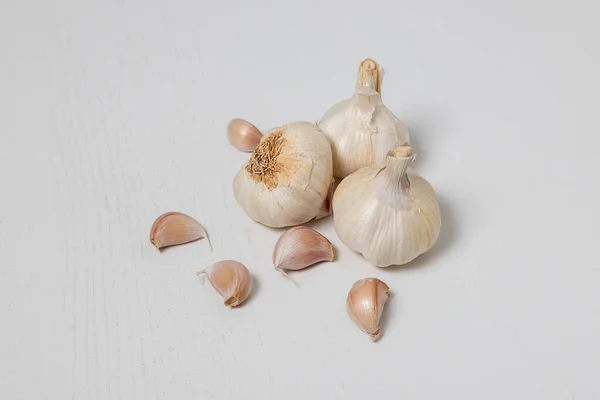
column 113, row 112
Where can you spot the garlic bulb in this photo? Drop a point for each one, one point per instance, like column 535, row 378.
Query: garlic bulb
column 365, row 304
column 243, row 135
column 288, row 177
column 362, row 129
column 231, row 279
column 388, row 213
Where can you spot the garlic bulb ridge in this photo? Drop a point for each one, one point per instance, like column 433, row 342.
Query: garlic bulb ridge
column 288, row 178
column 388, row 213
column 362, row 129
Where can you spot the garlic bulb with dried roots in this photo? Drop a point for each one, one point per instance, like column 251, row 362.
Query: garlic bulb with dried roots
column 243, row 135
column 365, row 303
column 288, row 177
column 362, row 129
column 231, row 279
column 389, row 213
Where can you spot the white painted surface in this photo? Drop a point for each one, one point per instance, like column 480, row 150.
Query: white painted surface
column 112, row 112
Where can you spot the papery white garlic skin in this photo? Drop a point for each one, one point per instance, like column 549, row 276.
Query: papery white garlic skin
column 231, row 279
column 288, row 177
column 388, row 213
column 243, row 135
column 301, row 247
column 365, row 303
column 362, row 129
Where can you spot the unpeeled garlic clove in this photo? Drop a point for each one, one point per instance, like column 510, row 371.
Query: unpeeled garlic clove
column 231, row 279
column 243, row 135
column 365, row 304
column 301, row 247
column 175, row 228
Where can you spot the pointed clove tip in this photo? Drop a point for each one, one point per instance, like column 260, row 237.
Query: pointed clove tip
column 282, row 272
column 202, row 273
column 375, row 336
column 287, row 276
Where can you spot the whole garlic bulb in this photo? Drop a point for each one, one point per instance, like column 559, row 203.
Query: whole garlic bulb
column 389, row 213
column 362, row 129
column 288, row 177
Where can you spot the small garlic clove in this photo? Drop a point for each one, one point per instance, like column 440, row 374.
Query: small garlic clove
column 243, row 135
column 301, row 247
column 365, row 304
column 231, row 280
column 175, row 228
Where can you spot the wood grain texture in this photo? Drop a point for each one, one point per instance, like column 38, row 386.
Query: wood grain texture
column 114, row 112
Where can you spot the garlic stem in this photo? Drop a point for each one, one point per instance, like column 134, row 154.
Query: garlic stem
column 397, row 163
column 369, row 75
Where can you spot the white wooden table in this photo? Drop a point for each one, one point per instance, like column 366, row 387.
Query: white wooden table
column 112, row 112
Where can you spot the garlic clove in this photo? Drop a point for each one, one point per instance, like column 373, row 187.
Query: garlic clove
column 231, row 280
column 175, row 228
column 365, row 303
column 301, row 247
column 243, row 135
